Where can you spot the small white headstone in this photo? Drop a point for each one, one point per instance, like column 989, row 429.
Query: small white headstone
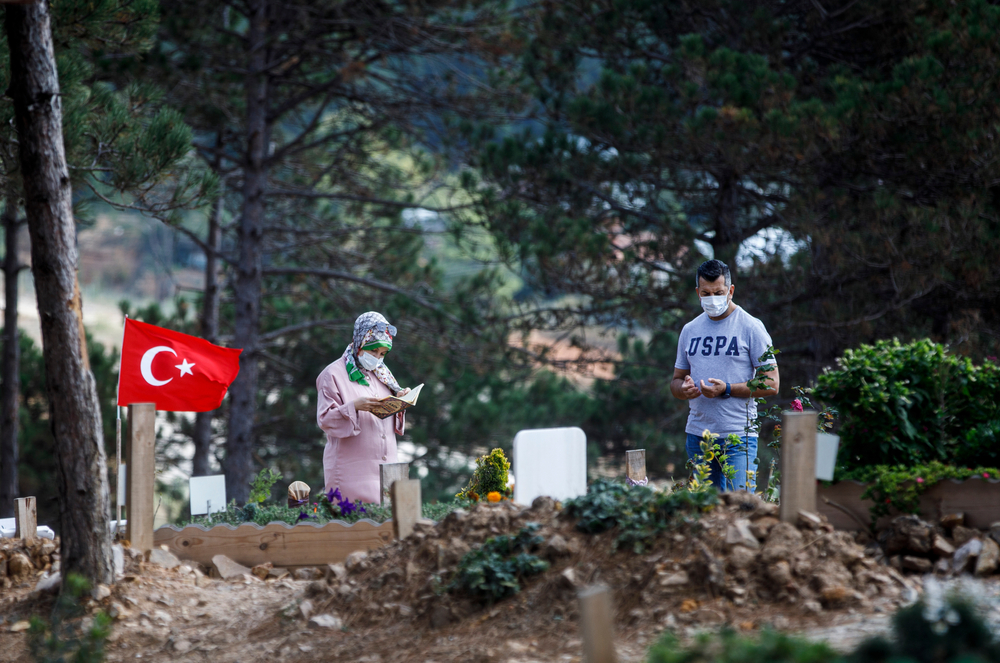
column 826, row 455
column 206, row 492
column 550, row 462
column 7, row 528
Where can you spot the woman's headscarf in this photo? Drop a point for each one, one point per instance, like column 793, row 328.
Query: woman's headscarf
column 371, row 330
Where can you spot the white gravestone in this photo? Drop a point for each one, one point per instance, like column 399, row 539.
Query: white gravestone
column 550, row 462
column 826, row 455
column 208, row 494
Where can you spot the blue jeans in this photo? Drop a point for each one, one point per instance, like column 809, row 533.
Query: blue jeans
column 740, row 457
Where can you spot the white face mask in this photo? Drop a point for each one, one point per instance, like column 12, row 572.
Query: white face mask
column 369, row 361
column 715, row 305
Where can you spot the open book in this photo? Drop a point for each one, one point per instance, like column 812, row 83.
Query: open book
column 390, row 405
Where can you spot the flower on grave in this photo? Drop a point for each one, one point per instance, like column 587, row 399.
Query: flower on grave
column 986, row 475
column 333, row 495
column 305, row 516
column 347, row 508
column 920, row 479
column 493, row 496
column 797, row 405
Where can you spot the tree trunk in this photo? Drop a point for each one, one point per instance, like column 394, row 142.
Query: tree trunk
column 248, row 281
column 10, row 368
column 202, row 436
column 82, row 484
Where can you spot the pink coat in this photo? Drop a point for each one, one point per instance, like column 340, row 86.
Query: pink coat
column 356, row 442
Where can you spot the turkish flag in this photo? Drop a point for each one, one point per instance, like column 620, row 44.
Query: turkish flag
column 178, row 372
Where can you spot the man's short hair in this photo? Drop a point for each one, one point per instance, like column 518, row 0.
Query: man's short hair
column 711, row 270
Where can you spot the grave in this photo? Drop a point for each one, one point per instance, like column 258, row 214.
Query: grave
column 550, row 462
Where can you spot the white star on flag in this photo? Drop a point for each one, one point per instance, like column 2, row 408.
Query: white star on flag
column 185, row 368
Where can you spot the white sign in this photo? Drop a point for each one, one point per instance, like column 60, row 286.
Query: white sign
column 826, row 455
column 208, row 493
column 550, row 462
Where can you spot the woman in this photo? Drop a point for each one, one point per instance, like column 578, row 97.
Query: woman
column 357, row 442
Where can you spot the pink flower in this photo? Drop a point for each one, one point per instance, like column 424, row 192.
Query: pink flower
column 920, row 479
column 797, row 405
column 986, row 475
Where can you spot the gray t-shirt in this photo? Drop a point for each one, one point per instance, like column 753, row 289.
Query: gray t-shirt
column 728, row 350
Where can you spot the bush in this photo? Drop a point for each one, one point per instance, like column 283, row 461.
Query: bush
column 729, row 647
column 269, row 513
column 639, row 512
column 904, row 404
column 490, row 476
column 494, row 570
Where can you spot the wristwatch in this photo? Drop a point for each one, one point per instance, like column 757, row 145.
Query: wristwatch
column 729, row 391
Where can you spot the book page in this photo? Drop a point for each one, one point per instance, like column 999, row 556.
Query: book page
column 411, row 397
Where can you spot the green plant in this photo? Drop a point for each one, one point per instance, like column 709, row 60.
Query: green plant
column 269, row 513
column 260, row 486
column 65, row 637
column 911, row 403
column 899, row 487
column 730, row 647
column 711, row 451
column 494, row 570
column 639, row 512
column 491, row 475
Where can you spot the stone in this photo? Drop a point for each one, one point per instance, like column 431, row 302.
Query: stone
column 262, row 571
column 896, row 562
column 306, row 608
column 962, row 535
column 994, row 532
column 163, row 558
column 765, row 510
column 568, row 577
column 941, row 547
column 182, row 646
column 101, row 592
column 780, row 573
column 677, row 579
column 782, row 540
column 22, row 625
column 952, row 520
column 739, row 534
column 812, row 606
column 965, row 554
column 942, row 566
column 325, row 621
column 988, row 559
column 355, row 561
column 19, row 566
column 556, row 547
column 809, row 520
column 306, row 573
column 277, row 573
column 228, row 569
column 837, row 595
column 761, row 527
column 117, row 611
column 918, row 564
column 49, row 583
column 336, row 572
column 741, row 558
column 907, row 534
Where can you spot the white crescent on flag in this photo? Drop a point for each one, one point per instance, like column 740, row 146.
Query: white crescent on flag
column 146, row 365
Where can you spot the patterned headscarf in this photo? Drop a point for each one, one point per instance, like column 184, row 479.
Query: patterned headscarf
column 371, row 330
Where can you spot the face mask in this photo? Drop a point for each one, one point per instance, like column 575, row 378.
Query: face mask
column 370, row 362
column 715, row 305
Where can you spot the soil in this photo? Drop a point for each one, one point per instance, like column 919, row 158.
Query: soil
column 737, row 567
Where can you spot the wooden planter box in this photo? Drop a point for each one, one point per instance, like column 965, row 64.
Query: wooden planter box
column 284, row 545
column 976, row 497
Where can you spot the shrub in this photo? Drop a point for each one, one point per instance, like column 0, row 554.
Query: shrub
column 639, row 512
column 494, row 570
column 269, row 513
column 912, row 403
column 491, row 475
column 260, row 486
column 729, row 647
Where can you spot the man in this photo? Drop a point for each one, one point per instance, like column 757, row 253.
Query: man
column 718, row 352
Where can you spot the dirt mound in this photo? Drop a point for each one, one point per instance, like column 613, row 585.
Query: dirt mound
column 738, row 565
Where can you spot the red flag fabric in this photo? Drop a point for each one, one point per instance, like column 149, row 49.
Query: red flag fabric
column 178, row 372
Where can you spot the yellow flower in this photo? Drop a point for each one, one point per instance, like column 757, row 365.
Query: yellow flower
column 493, row 496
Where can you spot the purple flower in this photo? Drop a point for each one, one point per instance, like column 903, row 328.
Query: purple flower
column 334, row 495
column 304, row 516
column 347, row 508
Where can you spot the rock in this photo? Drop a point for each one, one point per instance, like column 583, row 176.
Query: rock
column 163, row 558
column 317, row 588
column 962, row 535
column 227, row 568
column 49, row 583
column 306, row 573
column 262, row 570
column 896, row 562
column 918, row 564
column 22, row 625
column 907, row 534
column 761, row 527
column 101, row 592
column 739, row 534
column 336, row 572
column 678, row 579
column 555, row 547
column 182, row 646
column 19, row 566
column 837, row 596
column 568, row 577
column 117, row 611
column 965, row 554
column 440, row 616
column 941, row 547
column 781, row 541
column 277, row 573
column 989, row 558
column 830, row 573
column 952, row 520
column 994, row 532
column 780, row 573
column 741, row 558
column 809, row 520
column 355, row 561
column 326, row 621
column 812, row 606
column 306, row 608
column 765, row 510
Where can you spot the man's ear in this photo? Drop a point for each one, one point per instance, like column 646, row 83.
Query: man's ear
column 732, row 289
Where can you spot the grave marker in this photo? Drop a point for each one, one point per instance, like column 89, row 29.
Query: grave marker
column 207, row 494
column 597, row 621
column 140, row 482
column 635, row 467
column 389, row 473
column 798, row 464
column 550, row 462
column 25, row 520
column 405, row 506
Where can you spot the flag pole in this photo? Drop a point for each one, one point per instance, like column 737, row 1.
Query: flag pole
column 118, row 439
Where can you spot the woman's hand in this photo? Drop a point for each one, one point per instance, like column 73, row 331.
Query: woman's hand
column 403, row 392
column 365, row 404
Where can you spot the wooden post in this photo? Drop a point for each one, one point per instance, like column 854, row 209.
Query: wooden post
column 25, row 520
column 405, row 506
column 389, row 473
column 597, row 624
column 635, row 466
column 140, row 481
column 798, row 464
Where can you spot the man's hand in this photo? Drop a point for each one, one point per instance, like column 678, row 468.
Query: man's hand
column 715, row 387
column 689, row 389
